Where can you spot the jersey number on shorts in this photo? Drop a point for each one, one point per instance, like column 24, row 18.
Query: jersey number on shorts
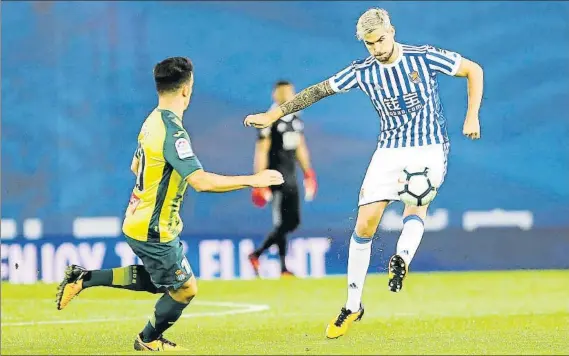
column 186, row 266
column 140, row 175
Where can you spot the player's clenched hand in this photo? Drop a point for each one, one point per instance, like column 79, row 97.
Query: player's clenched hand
column 259, row 121
column 267, row 178
column 471, row 128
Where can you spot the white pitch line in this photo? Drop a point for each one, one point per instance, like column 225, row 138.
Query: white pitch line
column 441, row 314
column 243, row 309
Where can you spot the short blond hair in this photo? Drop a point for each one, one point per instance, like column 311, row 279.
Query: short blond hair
column 372, row 20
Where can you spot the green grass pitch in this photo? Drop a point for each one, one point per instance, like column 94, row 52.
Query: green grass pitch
column 522, row 312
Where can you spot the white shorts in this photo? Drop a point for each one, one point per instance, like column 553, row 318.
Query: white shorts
column 381, row 179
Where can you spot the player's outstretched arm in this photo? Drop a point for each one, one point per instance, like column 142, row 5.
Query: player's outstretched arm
column 179, row 154
column 203, row 181
column 305, row 98
column 475, row 77
column 300, row 101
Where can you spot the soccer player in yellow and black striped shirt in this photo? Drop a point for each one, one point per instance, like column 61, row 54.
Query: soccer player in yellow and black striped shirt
column 164, row 164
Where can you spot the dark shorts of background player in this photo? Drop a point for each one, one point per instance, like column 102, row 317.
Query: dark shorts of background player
column 165, row 262
column 286, row 206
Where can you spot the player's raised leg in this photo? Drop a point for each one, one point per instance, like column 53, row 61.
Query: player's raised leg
column 435, row 158
column 77, row 278
column 407, row 245
column 368, row 219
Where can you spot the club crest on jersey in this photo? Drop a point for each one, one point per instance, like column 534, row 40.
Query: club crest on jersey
column 414, row 77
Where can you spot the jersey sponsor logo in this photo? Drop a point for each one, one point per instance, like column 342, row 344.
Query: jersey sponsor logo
column 183, row 148
column 414, row 77
column 404, row 104
column 179, row 133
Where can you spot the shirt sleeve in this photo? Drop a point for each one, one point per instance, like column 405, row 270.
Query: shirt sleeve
column 179, row 154
column 138, row 151
column 443, row 61
column 344, row 80
column 264, row 133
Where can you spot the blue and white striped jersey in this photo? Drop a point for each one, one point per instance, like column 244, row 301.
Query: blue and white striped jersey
column 404, row 93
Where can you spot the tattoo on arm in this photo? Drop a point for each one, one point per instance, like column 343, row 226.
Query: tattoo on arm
column 307, row 97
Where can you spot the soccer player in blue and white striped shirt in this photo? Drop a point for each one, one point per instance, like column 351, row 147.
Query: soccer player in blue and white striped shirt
column 401, row 82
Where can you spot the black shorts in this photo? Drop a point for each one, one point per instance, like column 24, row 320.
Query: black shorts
column 286, row 205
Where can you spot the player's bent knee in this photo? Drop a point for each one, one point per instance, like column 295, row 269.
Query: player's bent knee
column 368, row 219
column 186, row 292
column 366, row 226
column 366, row 231
column 191, row 287
column 288, row 226
column 367, row 223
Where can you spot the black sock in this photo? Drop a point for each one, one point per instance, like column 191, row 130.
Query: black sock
column 133, row 277
column 101, row 277
column 282, row 252
column 166, row 312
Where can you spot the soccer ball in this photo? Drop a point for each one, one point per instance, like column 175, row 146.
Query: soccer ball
column 415, row 187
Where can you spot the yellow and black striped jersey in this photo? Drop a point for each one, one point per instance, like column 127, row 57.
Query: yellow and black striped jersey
column 166, row 158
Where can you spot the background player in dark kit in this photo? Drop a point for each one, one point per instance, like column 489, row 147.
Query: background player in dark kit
column 279, row 147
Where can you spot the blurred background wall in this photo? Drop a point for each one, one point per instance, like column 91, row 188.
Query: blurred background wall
column 77, row 84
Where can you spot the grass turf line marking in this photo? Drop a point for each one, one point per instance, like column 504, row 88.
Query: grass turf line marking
column 239, row 308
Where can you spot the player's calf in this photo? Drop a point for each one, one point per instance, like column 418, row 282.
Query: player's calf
column 167, row 311
column 186, row 292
